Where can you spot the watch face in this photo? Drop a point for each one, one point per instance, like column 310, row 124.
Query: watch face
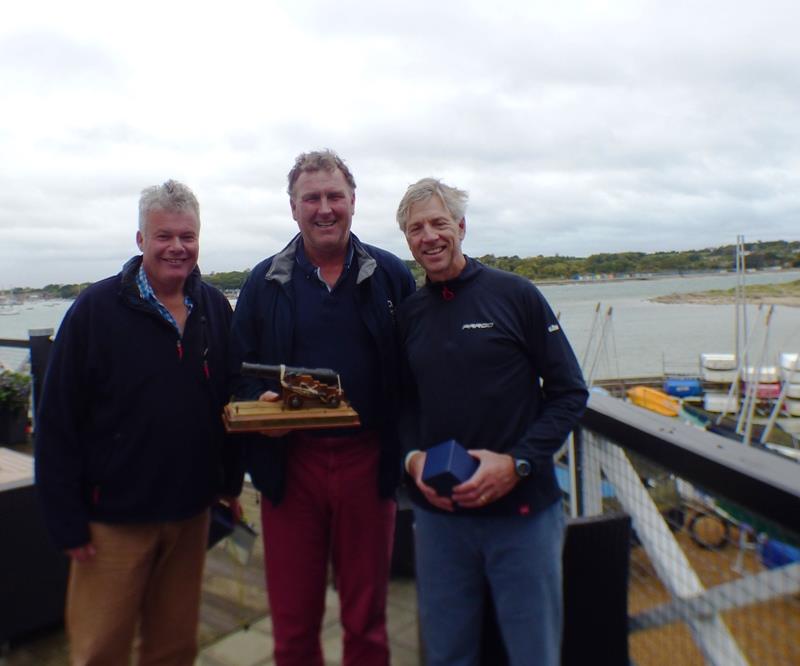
column 522, row 467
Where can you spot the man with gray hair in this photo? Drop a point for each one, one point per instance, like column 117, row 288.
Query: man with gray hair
column 130, row 447
column 326, row 300
column 489, row 342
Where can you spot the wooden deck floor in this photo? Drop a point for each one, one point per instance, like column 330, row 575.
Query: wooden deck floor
column 234, row 616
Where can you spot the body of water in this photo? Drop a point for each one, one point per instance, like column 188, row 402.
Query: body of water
column 652, row 338
column 30, row 315
column 643, row 338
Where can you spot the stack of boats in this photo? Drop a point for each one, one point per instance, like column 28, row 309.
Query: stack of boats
column 719, row 372
column 724, row 397
column 790, row 374
column 723, row 383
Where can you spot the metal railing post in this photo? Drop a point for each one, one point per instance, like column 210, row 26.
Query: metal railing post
column 41, row 340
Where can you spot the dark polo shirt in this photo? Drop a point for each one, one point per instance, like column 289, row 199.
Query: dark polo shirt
column 329, row 333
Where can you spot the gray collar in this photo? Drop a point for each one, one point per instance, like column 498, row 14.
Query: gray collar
column 283, row 262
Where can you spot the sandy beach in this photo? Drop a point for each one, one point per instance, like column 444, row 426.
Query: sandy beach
column 787, row 294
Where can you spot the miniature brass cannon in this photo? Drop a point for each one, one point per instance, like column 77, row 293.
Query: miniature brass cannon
column 300, row 384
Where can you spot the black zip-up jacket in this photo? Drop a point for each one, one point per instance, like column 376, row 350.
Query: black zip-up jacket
column 263, row 331
column 129, row 426
column 493, row 370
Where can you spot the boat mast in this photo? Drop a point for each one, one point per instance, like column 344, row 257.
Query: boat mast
column 590, row 339
column 753, row 377
column 776, row 409
column 606, row 334
column 740, row 344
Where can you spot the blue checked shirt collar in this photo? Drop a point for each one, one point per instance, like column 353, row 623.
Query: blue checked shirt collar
column 148, row 295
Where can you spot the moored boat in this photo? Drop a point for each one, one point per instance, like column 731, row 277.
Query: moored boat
column 718, row 368
column 765, row 374
column 763, row 390
column 790, row 368
column 718, row 402
column 793, row 391
column 683, row 387
column 718, row 361
column 791, row 407
column 654, row 400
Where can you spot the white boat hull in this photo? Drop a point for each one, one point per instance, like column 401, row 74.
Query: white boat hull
column 720, row 402
column 718, row 361
column 718, row 376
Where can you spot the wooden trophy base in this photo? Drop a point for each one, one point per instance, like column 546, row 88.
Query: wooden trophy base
column 259, row 416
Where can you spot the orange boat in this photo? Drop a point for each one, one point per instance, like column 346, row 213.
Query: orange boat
column 654, row 400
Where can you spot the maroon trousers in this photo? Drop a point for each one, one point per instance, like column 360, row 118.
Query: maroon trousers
column 331, row 512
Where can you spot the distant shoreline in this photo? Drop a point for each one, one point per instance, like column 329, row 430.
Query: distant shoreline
column 787, row 294
column 642, row 277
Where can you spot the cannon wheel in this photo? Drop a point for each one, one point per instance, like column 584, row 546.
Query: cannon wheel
column 295, row 401
column 709, row 530
column 334, row 401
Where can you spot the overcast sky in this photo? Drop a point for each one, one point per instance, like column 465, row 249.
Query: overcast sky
column 577, row 127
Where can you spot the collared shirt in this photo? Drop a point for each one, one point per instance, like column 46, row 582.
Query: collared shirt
column 148, row 295
column 307, row 267
column 330, row 332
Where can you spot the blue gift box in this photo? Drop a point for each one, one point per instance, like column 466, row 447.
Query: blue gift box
column 446, row 465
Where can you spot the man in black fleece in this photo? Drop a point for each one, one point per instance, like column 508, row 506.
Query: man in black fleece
column 492, row 369
column 130, row 447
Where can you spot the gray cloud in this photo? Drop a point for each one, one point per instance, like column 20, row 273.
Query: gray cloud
column 647, row 126
column 44, row 59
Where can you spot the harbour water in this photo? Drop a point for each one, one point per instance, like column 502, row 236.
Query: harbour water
column 644, row 338
column 654, row 338
column 30, row 315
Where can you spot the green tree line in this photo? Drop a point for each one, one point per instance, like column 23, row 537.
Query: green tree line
column 784, row 254
column 761, row 255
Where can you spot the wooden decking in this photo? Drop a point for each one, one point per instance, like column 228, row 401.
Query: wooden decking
column 234, row 617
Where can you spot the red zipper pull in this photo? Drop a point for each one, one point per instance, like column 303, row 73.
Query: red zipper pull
column 180, row 351
column 206, row 370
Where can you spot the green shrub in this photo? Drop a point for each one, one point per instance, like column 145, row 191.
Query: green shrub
column 15, row 390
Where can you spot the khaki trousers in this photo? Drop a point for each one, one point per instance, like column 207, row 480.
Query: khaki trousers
column 146, row 575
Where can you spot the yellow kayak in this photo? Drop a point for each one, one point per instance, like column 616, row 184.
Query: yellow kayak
column 654, row 400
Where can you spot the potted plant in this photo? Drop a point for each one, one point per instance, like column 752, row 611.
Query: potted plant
column 15, row 391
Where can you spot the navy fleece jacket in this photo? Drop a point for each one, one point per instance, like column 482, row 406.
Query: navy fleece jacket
column 129, row 426
column 492, row 369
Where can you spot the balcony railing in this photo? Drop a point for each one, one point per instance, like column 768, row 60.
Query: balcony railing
column 715, row 563
column 37, row 349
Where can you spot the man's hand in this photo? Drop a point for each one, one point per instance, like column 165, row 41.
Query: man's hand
column 415, row 466
column 82, row 553
column 494, row 478
column 271, row 396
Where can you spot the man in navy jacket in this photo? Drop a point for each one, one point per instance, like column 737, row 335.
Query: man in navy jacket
column 130, row 448
column 326, row 300
column 492, row 369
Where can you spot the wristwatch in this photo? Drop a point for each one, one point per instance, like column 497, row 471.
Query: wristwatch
column 522, row 467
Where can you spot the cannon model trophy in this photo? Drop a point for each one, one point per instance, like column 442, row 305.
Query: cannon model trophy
column 310, row 398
